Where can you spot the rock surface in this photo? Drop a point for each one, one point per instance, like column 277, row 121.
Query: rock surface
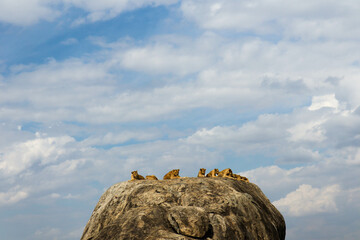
column 186, row 208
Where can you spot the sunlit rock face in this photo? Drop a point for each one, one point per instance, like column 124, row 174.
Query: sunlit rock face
column 186, row 208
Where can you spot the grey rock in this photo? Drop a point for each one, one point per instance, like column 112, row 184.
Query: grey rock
column 189, row 221
column 186, row 208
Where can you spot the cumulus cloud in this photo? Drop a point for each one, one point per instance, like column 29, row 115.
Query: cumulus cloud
column 319, row 102
column 221, row 78
column 39, row 87
column 307, row 200
column 12, row 196
column 250, row 136
column 113, row 104
column 21, row 156
column 288, row 139
column 27, row 12
column 112, row 138
column 66, row 167
column 273, row 177
column 308, row 131
column 275, row 181
column 162, row 59
column 166, row 155
column 276, row 17
column 288, row 92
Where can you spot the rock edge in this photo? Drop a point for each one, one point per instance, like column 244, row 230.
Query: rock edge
column 186, row 208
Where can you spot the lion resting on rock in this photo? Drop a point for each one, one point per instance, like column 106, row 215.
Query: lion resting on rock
column 173, row 174
column 136, row 176
column 201, row 172
column 241, row 178
column 226, row 173
column 151, row 177
column 213, row 173
column 229, row 174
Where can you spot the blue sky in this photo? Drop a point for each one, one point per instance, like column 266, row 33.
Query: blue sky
column 92, row 90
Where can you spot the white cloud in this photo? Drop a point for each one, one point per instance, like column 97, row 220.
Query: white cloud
column 309, row 131
column 163, row 59
column 55, row 195
column 315, row 20
column 248, row 137
column 307, row 200
column 121, row 137
column 66, row 167
column 282, row 135
column 70, row 196
column 158, row 157
column 108, row 9
column 165, row 54
column 27, row 12
column 13, row 195
column 40, row 88
column 239, row 75
column 319, row 102
column 353, row 196
column 250, row 95
column 293, row 154
column 274, row 180
column 21, row 156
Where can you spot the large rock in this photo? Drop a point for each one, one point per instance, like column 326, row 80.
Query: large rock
column 186, row 208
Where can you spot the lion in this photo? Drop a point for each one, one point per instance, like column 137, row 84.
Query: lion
column 201, row 172
column 151, row 177
column 226, row 173
column 241, row 178
column 213, row 173
column 245, row 179
column 172, row 174
column 136, row 176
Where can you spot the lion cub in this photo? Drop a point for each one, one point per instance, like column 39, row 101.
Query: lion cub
column 151, row 177
column 226, row 173
column 241, row 178
column 201, row 172
column 136, row 176
column 213, row 173
column 172, row 174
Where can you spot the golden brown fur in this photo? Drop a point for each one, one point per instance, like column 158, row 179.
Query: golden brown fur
column 201, row 172
column 136, row 176
column 241, row 178
column 151, row 177
column 213, row 173
column 226, row 173
column 172, row 174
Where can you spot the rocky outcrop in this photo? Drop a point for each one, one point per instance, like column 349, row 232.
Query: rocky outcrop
column 186, row 208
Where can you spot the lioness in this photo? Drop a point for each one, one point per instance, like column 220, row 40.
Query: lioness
column 213, row 173
column 201, row 172
column 172, row 174
column 136, row 176
column 226, row 173
column 151, row 177
column 241, row 178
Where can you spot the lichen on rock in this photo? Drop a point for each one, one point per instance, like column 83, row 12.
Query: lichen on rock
column 185, row 208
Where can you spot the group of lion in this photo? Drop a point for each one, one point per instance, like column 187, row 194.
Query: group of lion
column 173, row 174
